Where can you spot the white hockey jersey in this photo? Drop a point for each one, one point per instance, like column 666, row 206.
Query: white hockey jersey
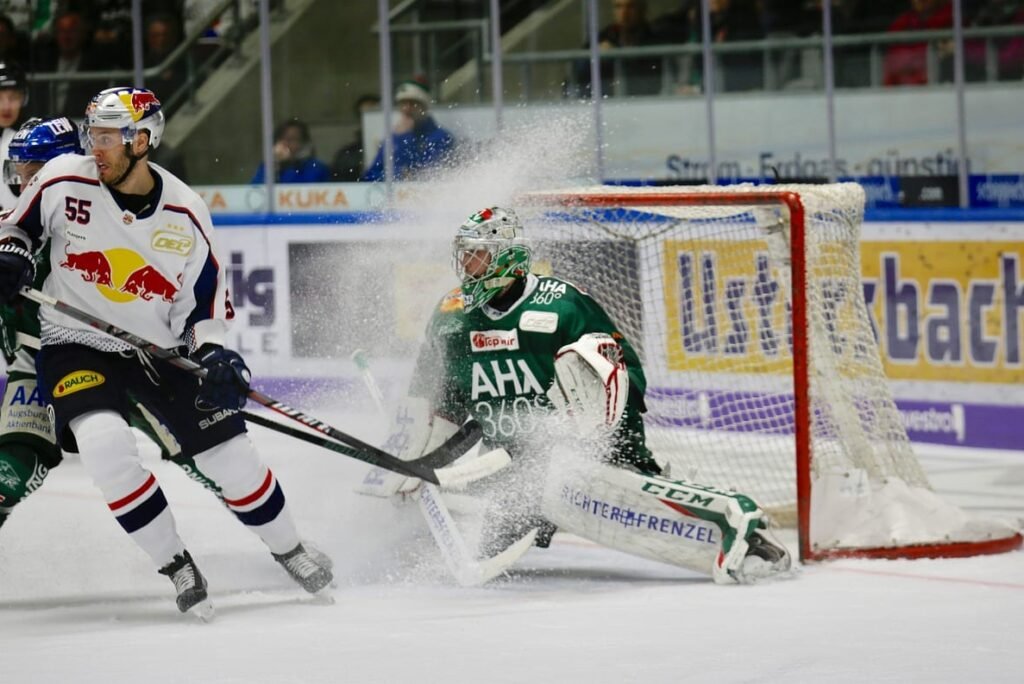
column 157, row 277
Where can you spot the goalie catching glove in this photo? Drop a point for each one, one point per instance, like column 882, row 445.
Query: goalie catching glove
column 591, row 383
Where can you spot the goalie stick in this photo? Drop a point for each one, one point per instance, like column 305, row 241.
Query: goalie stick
column 356, row 448
column 467, row 570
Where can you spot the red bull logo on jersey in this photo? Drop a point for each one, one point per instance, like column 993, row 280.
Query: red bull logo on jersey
column 121, row 275
column 139, row 103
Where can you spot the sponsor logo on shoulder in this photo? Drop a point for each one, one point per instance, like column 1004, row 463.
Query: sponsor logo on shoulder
column 539, row 321
column 493, row 340
column 452, row 301
column 77, row 381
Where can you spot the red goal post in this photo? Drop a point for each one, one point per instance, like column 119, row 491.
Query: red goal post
column 764, row 374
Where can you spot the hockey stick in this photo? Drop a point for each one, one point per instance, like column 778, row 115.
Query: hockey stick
column 453, row 476
column 467, row 570
column 359, row 450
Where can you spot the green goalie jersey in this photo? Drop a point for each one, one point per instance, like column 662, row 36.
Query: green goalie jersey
column 496, row 366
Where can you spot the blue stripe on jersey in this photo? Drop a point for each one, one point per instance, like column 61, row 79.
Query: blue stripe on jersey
column 266, row 511
column 205, row 289
column 144, row 513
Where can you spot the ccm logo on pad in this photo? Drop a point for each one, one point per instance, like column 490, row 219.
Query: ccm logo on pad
column 493, row 340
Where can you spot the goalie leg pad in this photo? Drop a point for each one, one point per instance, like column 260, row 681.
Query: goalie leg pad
column 591, row 384
column 696, row 527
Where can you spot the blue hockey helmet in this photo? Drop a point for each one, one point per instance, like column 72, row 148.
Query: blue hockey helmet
column 37, row 142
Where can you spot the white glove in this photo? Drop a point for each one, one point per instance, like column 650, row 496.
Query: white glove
column 591, row 384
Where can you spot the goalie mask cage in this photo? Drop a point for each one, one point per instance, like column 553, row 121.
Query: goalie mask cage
column 745, row 304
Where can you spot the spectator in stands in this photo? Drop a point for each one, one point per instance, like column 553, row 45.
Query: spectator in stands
column 731, row 20
column 1009, row 62
column 907, row 63
column 852, row 63
column 348, row 161
column 13, row 46
column 30, row 18
column 294, row 156
column 630, row 28
column 73, row 54
column 112, row 32
column 112, row 22
column 419, row 142
column 163, row 34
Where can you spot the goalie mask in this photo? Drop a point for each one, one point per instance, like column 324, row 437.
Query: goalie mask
column 489, row 253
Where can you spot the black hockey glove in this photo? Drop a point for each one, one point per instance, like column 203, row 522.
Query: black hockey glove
column 16, row 270
column 227, row 377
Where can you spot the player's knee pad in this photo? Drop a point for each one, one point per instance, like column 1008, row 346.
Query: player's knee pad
column 591, row 383
column 233, row 465
column 108, row 451
column 22, row 471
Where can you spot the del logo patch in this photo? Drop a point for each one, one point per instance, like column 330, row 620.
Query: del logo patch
column 79, row 380
column 539, row 321
column 493, row 340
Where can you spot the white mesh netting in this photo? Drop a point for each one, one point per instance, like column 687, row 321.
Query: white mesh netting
column 699, row 279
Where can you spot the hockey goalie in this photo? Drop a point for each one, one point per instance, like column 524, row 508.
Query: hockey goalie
column 544, row 371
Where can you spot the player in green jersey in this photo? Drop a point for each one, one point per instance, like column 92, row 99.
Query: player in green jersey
column 549, row 377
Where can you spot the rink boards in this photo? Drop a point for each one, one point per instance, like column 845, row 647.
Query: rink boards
column 946, row 301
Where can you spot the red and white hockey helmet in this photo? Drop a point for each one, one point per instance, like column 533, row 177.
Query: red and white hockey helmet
column 128, row 109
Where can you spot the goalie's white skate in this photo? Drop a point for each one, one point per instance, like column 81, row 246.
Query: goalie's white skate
column 766, row 557
column 190, row 585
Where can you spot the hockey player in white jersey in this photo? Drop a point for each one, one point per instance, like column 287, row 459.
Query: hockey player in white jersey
column 130, row 243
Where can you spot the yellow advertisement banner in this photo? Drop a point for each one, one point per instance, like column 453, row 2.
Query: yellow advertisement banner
column 725, row 311
column 949, row 311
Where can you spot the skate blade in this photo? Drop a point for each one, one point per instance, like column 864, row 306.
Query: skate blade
column 203, row 611
column 324, row 597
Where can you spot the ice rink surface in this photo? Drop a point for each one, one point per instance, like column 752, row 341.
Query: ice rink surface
column 80, row 603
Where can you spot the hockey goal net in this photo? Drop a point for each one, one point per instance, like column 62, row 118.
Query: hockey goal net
column 745, row 304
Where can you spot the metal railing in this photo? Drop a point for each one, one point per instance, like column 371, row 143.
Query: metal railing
column 475, row 35
column 766, row 49
column 195, row 70
column 776, row 55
